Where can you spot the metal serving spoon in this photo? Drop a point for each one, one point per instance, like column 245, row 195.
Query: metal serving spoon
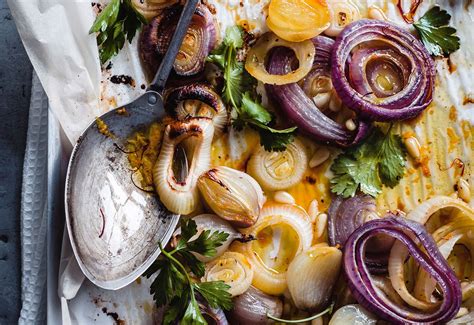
column 113, row 226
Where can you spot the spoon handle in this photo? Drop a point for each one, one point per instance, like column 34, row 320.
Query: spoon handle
column 158, row 83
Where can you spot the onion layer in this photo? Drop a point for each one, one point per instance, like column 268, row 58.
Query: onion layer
column 196, row 100
column 199, row 40
column 297, row 106
column 382, row 71
column 233, row 269
column 179, row 192
column 281, row 232
column 352, row 314
column 279, row 170
column 369, row 296
column 343, row 12
column 255, row 62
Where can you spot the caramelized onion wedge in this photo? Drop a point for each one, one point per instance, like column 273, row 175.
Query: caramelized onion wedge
column 312, row 275
column 282, row 231
column 233, row 195
column 196, row 100
column 255, row 62
column 233, row 269
column 279, row 170
column 198, row 42
column 180, row 195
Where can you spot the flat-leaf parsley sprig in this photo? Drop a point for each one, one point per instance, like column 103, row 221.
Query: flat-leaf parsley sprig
column 438, row 37
column 380, row 159
column 118, row 21
column 238, row 93
column 175, row 285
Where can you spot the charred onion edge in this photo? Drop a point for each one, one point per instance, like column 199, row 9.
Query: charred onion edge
column 368, row 295
column 412, row 99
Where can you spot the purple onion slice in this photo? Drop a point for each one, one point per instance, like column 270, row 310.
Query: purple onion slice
column 411, row 234
column 382, row 71
column 297, row 106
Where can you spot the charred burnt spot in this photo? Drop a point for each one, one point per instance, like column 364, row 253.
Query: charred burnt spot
column 311, row 180
column 212, row 175
column 123, row 79
column 180, row 129
column 98, row 6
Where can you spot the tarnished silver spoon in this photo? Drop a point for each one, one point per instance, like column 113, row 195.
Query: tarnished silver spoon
column 115, row 227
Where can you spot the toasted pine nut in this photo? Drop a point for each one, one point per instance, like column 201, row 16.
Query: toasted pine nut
column 350, row 125
column 322, row 99
column 321, row 223
column 284, row 197
column 320, row 156
column 313, row 210
column 462, row 311
column 413, row 147
column 372, row 215
column 464, row 190
column 376, row 13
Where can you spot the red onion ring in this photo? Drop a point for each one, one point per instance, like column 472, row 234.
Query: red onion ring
column 364, row 41
column 297, row 106
column 347, row 215
column 366, row 292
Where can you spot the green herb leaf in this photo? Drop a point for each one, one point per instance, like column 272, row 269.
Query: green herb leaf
column 438, row 38
column 118, row 21
column 216, row 294
column 380, row 160
column 237, row 92
column 175, row 288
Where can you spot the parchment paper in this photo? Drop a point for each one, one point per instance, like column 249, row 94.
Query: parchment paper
column 65, row 57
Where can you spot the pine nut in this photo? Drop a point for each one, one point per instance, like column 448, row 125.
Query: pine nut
column 313, row 210
column 320, row 156
column 350, row 125
column 321, row 223
column 372, row 215
column 413, row 147
column 464, row 190
column 462, row 311
column 284, row 197
column 321, row 100
column 376, row 13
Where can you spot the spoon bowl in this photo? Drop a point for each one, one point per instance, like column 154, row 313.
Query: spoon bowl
column 114, row 226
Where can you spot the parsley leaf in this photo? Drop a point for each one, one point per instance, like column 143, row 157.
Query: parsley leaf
column 236, row 92
column 380, row 160
column 118, row 21
column 438, row 38
column 174, row 287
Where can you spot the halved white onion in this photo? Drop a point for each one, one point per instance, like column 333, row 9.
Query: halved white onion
column 233, row 269
column 182, row 197
column 352, row 314
column 311, row 276
column 279, row 170
column 281, row 233
column 343, row 12
column 233, row 195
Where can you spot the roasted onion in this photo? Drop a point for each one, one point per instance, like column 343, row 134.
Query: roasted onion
column 196, row 100
column 410, row 234
column 343, row 12
column 252, row 307
column 297, row 106
column 256, row 58
column 282, row 231
column 279, row 170
column 200, row 39
column 352, row 314
column 233, row 195
column 382, row 71
column 176, row 185
column 151, row 8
